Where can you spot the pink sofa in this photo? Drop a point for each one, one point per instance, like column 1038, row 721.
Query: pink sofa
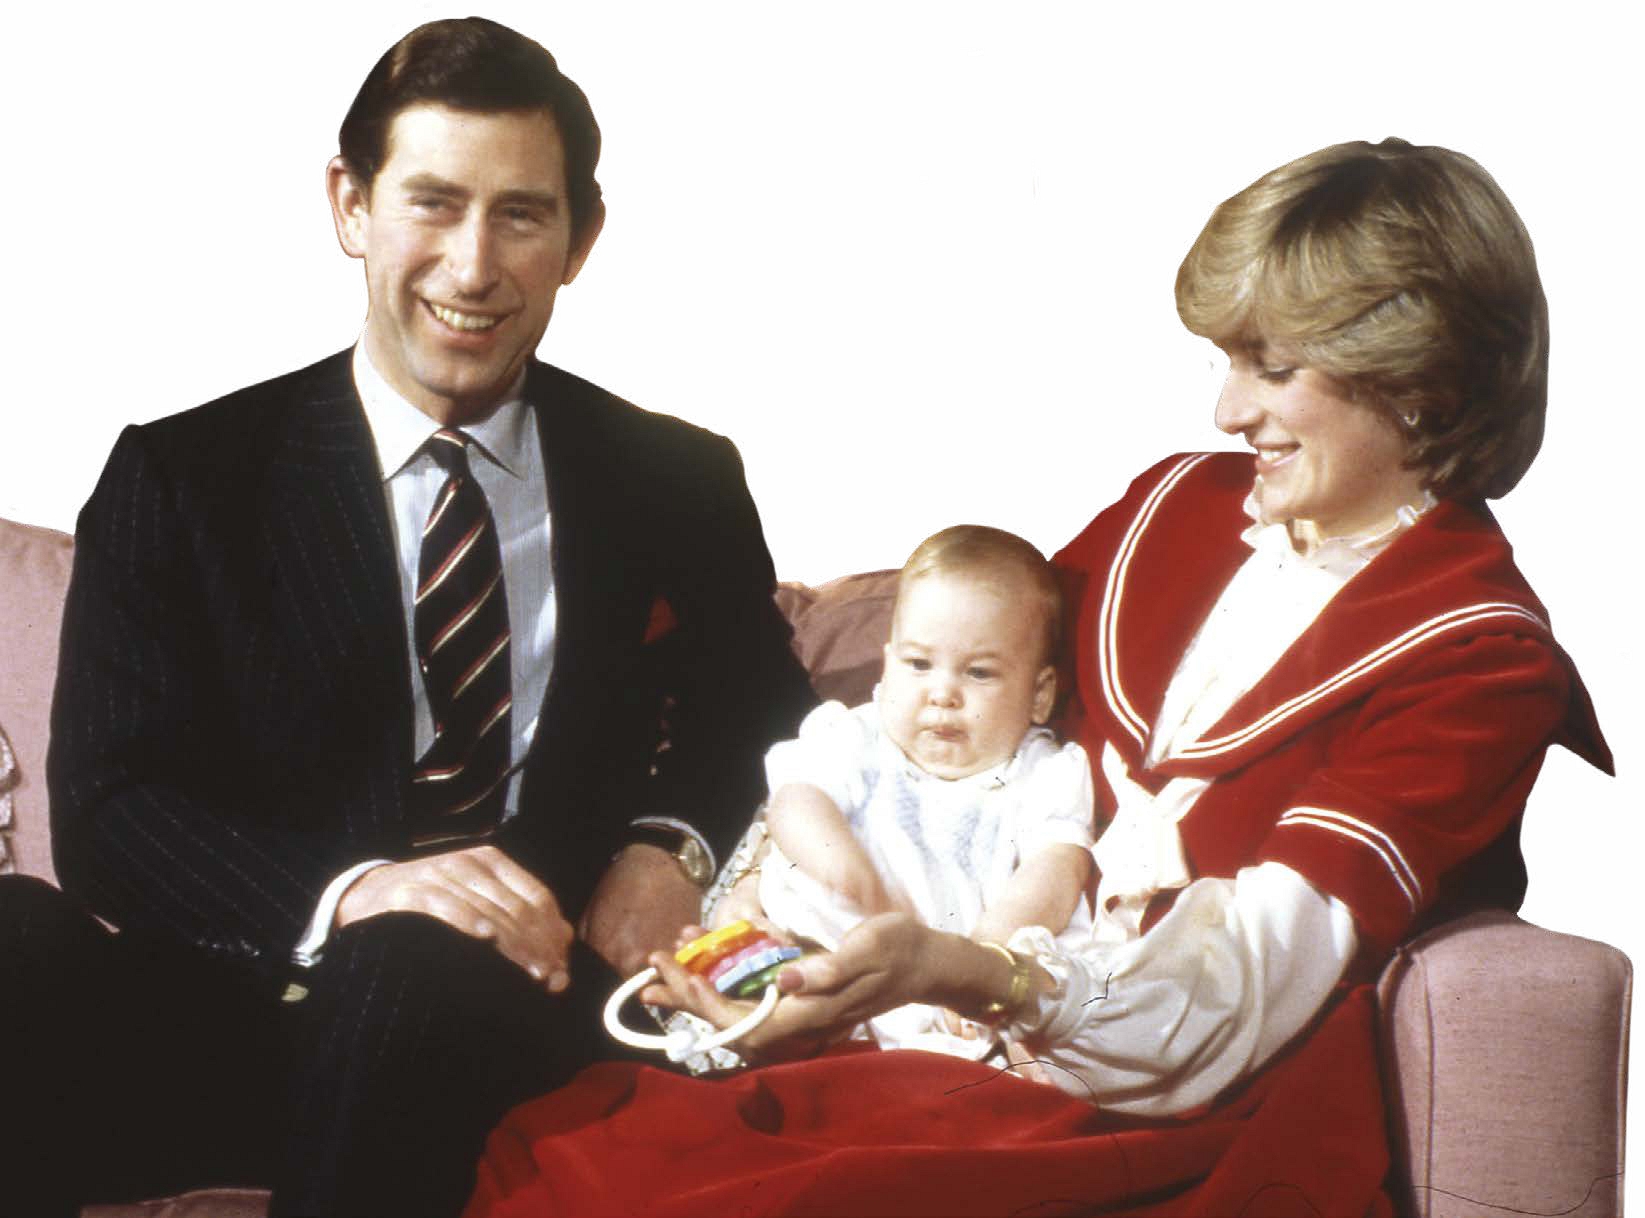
column 1501, row 1102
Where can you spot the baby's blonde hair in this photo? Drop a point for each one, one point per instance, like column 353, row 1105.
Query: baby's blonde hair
column 999, row 559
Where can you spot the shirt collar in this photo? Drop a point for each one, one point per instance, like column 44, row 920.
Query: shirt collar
column 1341, row 556
column 399, row 430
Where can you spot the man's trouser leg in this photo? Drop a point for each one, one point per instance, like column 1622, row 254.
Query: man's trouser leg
column 124, row 1076
column 413, row 1042
column 133, row 1074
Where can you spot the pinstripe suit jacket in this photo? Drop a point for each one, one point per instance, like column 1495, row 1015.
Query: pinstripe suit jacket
column 233, row 725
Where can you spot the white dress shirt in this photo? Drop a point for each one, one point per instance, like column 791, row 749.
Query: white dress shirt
column 506, row 459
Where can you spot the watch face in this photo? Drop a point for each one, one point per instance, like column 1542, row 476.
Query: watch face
column 695, row 860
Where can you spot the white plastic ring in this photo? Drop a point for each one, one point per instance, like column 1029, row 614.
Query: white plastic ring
column 679, row 1048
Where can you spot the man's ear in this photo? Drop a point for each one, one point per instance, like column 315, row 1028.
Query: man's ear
column 586, row 237
column 350, row 207
column 1045, row 694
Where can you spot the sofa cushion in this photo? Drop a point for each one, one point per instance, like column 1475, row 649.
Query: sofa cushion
column 210, row 1203
column 840, row 631
column 34, row 576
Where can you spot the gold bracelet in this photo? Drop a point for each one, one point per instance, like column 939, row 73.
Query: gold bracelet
column 997, row 1013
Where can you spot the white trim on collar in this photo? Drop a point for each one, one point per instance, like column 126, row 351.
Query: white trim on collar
column 1108, row 621
column 1370, row 661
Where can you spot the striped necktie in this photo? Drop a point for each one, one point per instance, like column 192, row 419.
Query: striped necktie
column 461, row 624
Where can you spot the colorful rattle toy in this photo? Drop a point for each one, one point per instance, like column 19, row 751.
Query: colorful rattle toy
column 740, row 959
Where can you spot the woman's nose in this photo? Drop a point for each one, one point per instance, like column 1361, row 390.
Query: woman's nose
column 1237, row 406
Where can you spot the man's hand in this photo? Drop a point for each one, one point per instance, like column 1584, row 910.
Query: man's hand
column 479, row 891
column 642, row 901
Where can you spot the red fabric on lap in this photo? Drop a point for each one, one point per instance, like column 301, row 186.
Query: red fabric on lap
column 863, row 1133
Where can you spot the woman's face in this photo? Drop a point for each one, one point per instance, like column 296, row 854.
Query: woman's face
column 1322, row 458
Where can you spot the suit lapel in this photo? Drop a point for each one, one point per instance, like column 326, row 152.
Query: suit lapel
column 333, row 547
column 559, row 439
column 582, row 529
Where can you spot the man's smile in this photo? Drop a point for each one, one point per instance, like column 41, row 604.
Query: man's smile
column 458, row 320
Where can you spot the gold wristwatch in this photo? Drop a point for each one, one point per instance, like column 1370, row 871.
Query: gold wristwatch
column 683, row 843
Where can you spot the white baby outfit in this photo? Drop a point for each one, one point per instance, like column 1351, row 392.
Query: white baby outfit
column 949, row 846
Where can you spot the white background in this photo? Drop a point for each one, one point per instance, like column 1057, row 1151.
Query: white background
column 914, row 258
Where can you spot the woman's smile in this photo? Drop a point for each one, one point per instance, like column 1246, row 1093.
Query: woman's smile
column 1324, row 457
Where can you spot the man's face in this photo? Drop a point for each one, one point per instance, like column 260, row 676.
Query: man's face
column 466, row 236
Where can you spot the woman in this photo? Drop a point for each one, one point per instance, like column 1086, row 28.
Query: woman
column 1316, row 692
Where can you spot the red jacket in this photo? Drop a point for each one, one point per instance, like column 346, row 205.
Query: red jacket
column 1387, row 755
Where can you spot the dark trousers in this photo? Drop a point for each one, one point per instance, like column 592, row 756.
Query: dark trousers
column 137, row 1071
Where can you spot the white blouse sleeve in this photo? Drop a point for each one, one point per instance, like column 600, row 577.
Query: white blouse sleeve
column 1163, row 1023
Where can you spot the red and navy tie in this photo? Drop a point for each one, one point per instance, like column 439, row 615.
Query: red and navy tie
column 461, row 624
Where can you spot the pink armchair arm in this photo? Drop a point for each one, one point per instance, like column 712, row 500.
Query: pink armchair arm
column 1505, row 1050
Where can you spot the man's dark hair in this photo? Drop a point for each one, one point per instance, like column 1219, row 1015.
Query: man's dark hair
column 471, row 63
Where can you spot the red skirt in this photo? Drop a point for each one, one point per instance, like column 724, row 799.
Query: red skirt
column 859, row 1133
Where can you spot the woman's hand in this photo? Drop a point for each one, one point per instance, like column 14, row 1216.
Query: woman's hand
column 877, row 967
column 678, row 988
column 882, row 963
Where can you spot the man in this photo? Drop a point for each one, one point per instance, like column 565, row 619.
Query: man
column 348, row 727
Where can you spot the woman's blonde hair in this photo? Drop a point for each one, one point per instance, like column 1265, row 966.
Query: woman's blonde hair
column 1405, row 273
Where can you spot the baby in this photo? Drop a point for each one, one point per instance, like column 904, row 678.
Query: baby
column 943, row 796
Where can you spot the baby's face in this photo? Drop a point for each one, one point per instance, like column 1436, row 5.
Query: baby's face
column 963, row 680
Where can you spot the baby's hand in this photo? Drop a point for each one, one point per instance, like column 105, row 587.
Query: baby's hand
column 1025, row 1065
column 741, row 901
column 737, row 906
column 966, row 1029
column 721, row 919
column 690, row 932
